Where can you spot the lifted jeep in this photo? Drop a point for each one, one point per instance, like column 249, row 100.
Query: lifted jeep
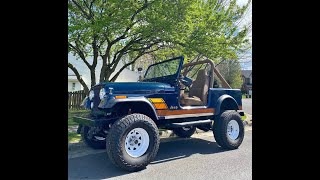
column 124, row 117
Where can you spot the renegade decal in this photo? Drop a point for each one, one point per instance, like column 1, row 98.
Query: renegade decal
column 158, row 103
column 173, row 107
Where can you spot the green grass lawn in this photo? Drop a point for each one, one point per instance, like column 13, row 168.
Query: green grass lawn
column 73, row 137
column 244, row 117
column 71, row 113
column 71, row 122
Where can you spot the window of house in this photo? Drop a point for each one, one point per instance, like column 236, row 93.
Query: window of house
column 247, row 80
column 73, row 86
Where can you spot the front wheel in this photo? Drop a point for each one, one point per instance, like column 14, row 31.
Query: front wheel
column 92, row 139
column 184, row 132
column 133, row 142
column 228, row 130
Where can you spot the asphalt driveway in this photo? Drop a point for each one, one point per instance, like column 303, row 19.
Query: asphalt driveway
column 247, row 105
column 195, row 158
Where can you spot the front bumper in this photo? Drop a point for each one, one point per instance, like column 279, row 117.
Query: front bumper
column 89, row 120
column 84, row 121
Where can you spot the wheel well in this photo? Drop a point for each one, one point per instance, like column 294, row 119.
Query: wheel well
column 135, row 107
column 228, row 104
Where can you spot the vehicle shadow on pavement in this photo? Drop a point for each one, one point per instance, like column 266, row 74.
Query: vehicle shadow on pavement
column 173, row 150
column 98, row 166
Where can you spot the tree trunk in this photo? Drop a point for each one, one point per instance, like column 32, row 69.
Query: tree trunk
column 102, row 73
column 93, row 77
column 107, row 74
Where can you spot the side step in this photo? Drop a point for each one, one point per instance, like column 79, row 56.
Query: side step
column 191, row 123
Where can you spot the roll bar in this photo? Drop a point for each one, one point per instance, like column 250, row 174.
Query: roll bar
column 213, row 69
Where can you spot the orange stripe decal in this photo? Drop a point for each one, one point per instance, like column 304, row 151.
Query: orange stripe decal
column 160, row 106
column 156, row 100
column 158, row 103
column 184, row 111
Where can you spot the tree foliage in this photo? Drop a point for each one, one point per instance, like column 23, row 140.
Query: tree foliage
column 111, row 31
column 231, row 71
column 210, row 31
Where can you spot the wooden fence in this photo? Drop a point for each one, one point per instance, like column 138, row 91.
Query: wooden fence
column 75, row 99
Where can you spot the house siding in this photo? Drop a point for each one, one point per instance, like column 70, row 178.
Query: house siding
column 125, row 76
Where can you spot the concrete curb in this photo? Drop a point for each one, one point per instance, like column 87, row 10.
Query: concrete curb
column 248, row 120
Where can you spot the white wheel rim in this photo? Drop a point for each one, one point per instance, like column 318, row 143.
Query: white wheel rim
column 186, row 128
column 137, row 142
column 233, row 129
column 100, row 138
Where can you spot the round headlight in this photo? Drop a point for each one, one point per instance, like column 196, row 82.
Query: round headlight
column 91, row 94
column 102, row 93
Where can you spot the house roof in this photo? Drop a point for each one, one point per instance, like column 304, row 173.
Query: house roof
column 246, row 73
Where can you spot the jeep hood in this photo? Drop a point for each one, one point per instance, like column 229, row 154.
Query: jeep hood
column 137, row 87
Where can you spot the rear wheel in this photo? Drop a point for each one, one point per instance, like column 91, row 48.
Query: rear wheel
column 133, row 142
column 93, row 139
column 184, row 132
column 228, row 130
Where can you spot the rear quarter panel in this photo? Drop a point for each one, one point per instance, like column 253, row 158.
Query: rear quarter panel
column 215, row 93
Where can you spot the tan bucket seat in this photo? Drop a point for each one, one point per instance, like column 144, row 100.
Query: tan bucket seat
column 198, row 91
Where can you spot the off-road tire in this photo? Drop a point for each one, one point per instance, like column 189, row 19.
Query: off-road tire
column 93, row 142
column 116, row 142
column 220, row 130
column 184, row 133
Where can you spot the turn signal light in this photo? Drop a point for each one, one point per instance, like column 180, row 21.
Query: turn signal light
column 120, row 97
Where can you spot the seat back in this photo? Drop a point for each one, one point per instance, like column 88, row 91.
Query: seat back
column 200, row 86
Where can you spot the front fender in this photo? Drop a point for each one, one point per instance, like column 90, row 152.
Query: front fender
column 85, row 103
column 230, row 99
column 105, row 103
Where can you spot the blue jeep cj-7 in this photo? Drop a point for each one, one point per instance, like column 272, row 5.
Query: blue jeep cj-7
column 124, row 117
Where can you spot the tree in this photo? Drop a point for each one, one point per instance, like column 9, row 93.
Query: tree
column 211, row 31
column 231, row 71
column 214, row 34
column 108, row 31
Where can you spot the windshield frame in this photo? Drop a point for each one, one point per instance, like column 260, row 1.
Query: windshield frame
column 175, row 76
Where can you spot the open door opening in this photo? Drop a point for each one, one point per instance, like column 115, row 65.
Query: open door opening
column 195, row 80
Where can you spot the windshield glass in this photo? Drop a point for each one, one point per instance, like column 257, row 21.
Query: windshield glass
column 162, row 69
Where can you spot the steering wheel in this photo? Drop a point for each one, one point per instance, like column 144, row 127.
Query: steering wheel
column 185, row 81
